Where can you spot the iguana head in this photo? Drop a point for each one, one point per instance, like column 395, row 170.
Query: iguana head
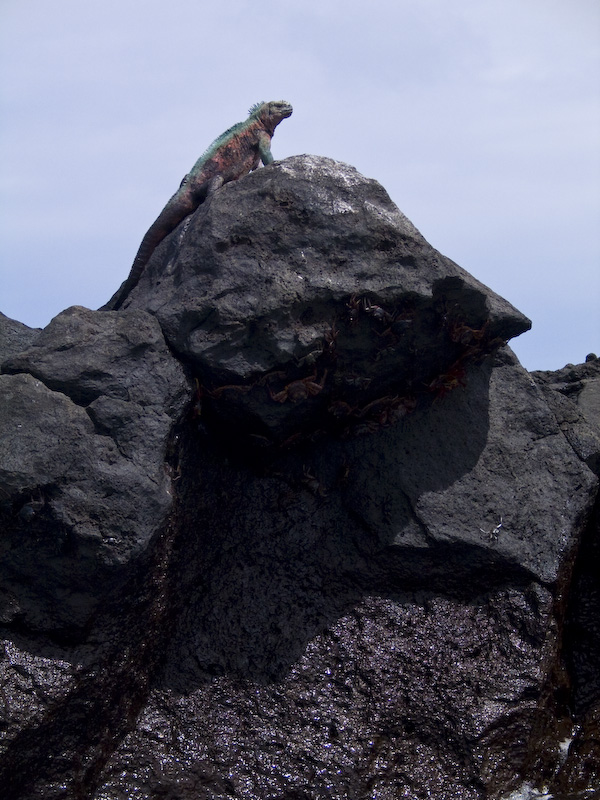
column 274, row 111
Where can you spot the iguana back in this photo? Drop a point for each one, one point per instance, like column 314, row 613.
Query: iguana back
column 234, row 153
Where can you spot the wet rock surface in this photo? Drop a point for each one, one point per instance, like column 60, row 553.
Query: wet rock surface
column 572, row 394
column 365, row 571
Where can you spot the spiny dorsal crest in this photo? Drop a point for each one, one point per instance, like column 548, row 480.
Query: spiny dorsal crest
column 255, row 108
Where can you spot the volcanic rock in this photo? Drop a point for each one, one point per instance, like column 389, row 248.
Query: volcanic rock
column 85, row 418
column 14, row 336
column 302, row 294
column 293, row 523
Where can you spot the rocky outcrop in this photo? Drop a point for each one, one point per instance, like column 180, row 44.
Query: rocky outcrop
column 305, row 284
column 15, row 336
column 293, row 523
column 573, row 393
column 86, row 414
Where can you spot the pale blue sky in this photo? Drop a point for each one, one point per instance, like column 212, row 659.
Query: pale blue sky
column 480, row 117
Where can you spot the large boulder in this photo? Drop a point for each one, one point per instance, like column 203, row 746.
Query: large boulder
column 573, row 394
column 86, row 413
column 348, row 559
column 301, row 295
column 375, row 613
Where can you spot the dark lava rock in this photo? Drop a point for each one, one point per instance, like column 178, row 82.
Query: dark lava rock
column 573, row 395
column 344, row 571
column 377, row 616
column 85, row 417
column 14, row 336
column 301, row 295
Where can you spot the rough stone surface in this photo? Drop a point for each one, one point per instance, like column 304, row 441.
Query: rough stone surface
column 589, row 402
column 381, row 636
column 571, row 393
column 367, row 571
column 14, row 336
column 85, row 417
column 304, row 282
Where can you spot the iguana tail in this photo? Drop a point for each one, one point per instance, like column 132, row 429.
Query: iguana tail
column 181, row 205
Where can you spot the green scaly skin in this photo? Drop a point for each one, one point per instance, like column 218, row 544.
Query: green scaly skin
column 235, row 153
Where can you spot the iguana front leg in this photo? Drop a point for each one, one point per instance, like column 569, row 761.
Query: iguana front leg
column 264, row 148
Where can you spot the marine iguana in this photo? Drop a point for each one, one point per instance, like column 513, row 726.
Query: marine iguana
column 232, row 155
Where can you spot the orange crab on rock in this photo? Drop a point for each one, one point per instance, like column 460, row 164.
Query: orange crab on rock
column 299, row 390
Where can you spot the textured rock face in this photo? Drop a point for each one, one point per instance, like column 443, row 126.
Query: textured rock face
column 15, row 336
column 348, row 562
column 85, row 417
column 572, row 394
column 305, row 283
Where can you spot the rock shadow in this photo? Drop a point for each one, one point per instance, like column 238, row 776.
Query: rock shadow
column 274, row 551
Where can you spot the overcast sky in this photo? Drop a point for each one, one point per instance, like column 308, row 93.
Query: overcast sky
column 480, row 117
